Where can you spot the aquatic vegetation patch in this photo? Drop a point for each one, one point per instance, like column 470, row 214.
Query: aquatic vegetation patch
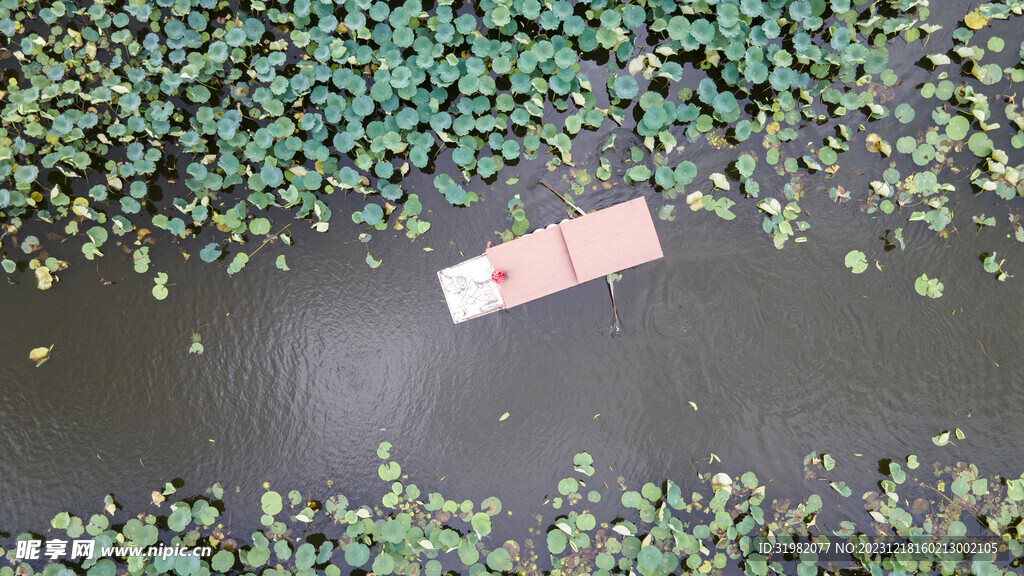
column 718, row 524
column 255, row 112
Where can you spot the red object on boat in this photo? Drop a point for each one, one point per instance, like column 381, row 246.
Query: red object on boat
column 498, row 276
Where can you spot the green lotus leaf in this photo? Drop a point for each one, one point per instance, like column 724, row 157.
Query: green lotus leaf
column 633, row 16
column 372, row 214
column 940, row 116
column 197, row 21
column 271, row 175
column 856, row 261
column 271, row 503
column 904, row 113
column 586, row 521
column 924, row 154
column 980, row 144
column 182, row 515
column 746, row 165
column 929, row 287
column 958, row 127
column 625, row 87
column 876, row 61
column 487, row 167
column 223, row 561
column 389, row 471
column 568, row 486
column 827, row 155
column 481, row 523
column 639, row 173
column 685, row 172
column 510, row 150
column 702, row 31
column 906, row 144
column 650, row 492
column 257, row 556
column 664, row 177
column 499, row 560
column 565, row 57
column 356, row 554
column 751, row 8
column 283, row 550
column 678, row 28
column 25, row 174
column 259, row 226
column 649, row 558
column 393, row 531
column 557, row 541
column 468, row 553
column 755, row 72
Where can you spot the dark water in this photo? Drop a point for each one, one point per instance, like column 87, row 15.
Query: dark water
column 783, row 352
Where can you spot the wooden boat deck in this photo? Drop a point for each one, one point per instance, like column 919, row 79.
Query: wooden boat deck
column 535, row 265
column 561, row 256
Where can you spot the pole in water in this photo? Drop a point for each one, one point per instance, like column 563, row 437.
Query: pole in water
column 564, row 199
column 611, row 278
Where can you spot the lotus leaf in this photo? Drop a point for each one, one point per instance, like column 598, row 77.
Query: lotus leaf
column 856, row 261
column 639, row 173
column 745, row 165
column 271, row 503
column 930, row 287
column 957, row 128
column 624, row 87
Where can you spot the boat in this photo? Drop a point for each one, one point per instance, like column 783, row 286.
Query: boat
column 551, row 259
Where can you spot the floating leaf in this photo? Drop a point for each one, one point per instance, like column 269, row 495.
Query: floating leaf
column 828, row 461
column 356, row 554
column 40, row 355
column 625, row 87
column 856, row 261
column 974, row 20
column 957, row 128
column 639, row 173
column 210, row 252
column 720, row 181
column 259, row 226
column 271, row 503
column 44, row 281
column 930, row 287
column 904, row 113
column 583, row 463
column 746, row 164
column 25, row 174
column 30, row 244
column 389, row 471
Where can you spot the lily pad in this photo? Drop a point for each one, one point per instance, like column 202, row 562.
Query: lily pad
column 271, row 503
column 626, row 87
column 930, row 287
column 856, row 261
column 957, row 128
column 40, row 355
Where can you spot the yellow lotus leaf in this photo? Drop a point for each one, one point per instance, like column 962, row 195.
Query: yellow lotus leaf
column 37, row 354
column 975, row 21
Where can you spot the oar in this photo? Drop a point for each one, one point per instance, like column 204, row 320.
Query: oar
column 564, row 199
column 611, row 288
column 610, row 278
